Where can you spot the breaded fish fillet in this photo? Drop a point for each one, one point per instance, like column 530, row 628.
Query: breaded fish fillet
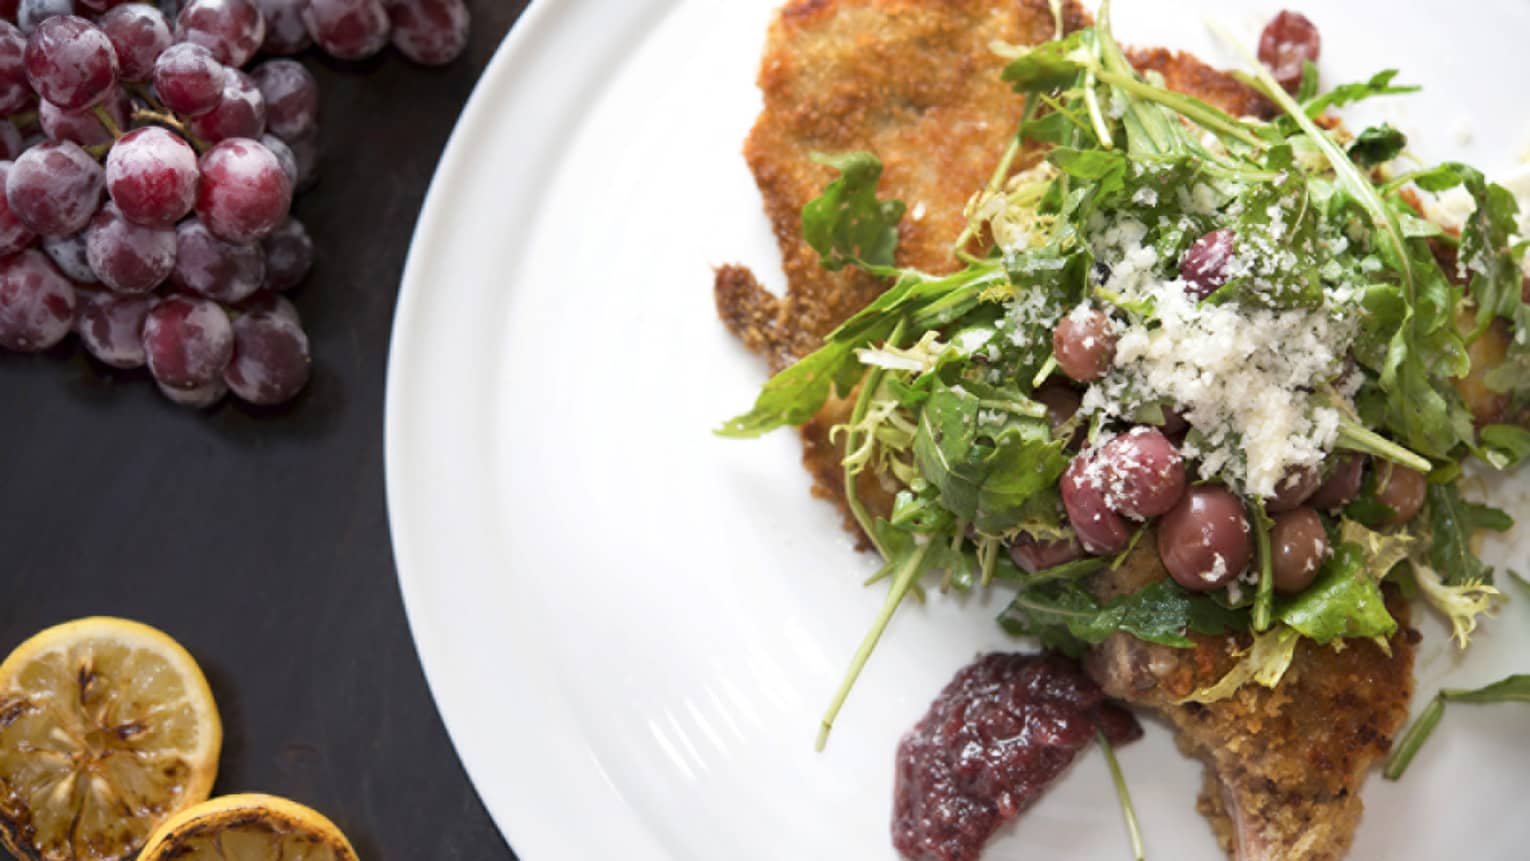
column 914, row 82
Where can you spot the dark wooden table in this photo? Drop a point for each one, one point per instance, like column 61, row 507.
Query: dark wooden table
column 259, row 539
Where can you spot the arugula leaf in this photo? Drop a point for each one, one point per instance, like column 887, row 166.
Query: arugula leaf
column 987, row 473
column 1514, row 688
column 1504, row 446
column 1379, row 84
column 1344, row 601
column 792, row 396
column 1066, row 617
column 1452, row 522
column 1049, row 66
column 847, row 224
column 1376, row 145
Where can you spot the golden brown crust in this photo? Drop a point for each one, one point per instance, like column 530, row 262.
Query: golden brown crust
column 1284, row 766
column 1185, row 73
column 914, row 81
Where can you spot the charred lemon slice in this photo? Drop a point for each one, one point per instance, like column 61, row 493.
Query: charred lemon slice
column 248, row 828
column 107, row 728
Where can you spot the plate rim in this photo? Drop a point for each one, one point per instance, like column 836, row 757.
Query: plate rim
column 512, row 67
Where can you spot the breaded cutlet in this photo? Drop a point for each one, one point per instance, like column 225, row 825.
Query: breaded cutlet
column 916, row 83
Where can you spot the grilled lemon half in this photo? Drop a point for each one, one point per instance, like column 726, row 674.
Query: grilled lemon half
column 107, row 728
column 248, row 828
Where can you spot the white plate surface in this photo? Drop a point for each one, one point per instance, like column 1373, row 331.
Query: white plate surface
column 631, row 626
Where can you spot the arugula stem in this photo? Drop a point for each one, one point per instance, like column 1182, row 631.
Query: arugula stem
column 1000, row 174
column 869, row 385
column 1128, row 811
column 1414, row 739
column 1046, row 370
column 1096, row 116
column 1264, row 599
column 1194, row 110
column 1350, row 177
column 1356, row 437
column 900, row 586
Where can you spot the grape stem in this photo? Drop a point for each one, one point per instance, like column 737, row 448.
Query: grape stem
column 171, row 121
column 107, row 122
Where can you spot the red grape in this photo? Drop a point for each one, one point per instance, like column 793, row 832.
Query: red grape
column 11, row 144
column 196, row 397
column 68, row 254
column 271, row 359
column 283, row 154
column 188, row 342
column 70, row 62
column 151, row 174
column 103, row 5
column 245, row 193
column 289, row 255
column 54, row 188
column 348, row 29
column 266, row 302
column 128, row 257
column 305, row 150
column 111, row 328
column 8, row 9
column 36, row 302
column 430, row 32
column 15, row 90
column 216, row 269
column 1286, row 45
column 240, row 112
column 30, row 13
column 140, row 34
column 189, row 79
column 291, row 95
column 14, row 235
column 285, row 31
column 84, row 127
column 231, row 29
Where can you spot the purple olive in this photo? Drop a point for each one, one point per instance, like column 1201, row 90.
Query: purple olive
column 1205, row 267
column 1204, row 540
column 1061, row 402
column 1298, row 546
column 1032, row 555
column 1294, row 487
column 1143, row 475
column 1402, row 490
column 1342, row 483
column 1100, row 530
column 1084, row 344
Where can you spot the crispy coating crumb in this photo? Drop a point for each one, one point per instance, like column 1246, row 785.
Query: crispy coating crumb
column 1283, row 767
column 914, row 82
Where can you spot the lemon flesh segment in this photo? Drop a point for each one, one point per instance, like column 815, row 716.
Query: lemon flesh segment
column 249, row 828
column 107, row 727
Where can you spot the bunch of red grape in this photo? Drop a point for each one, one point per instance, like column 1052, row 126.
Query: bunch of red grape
column 148, row 177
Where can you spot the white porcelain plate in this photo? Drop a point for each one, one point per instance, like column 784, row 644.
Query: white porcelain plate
column 631, row 626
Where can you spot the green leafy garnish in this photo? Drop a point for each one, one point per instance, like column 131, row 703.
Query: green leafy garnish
column 1376, row 145
column 1512, row 689
column 847, row 224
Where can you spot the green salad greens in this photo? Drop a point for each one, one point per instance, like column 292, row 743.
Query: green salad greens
column 1339, row 322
